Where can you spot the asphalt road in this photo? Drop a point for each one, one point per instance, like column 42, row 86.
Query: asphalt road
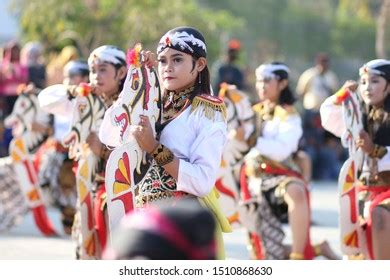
column 25, row 242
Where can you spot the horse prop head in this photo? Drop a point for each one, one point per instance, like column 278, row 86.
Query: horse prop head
column 87, row 117
column 141, row 95
column 26, row 111
column 353, row 110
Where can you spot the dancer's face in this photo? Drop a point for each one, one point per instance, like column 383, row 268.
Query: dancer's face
column 178, row 70
column 106, row 78
column 374, row 89
column 269, row 89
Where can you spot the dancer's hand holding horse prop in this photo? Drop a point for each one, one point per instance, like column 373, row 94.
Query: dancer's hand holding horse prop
column 138, row 107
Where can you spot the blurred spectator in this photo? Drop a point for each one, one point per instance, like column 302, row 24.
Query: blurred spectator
column 12, row 73
column 31, row 55
column 184, row 231
column 317, row 83
column 226, row 71
column 56, row 65
column 76, row 72
column 326, row 153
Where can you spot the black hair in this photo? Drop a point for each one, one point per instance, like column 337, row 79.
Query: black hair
column 287, row 96
column 118, row 66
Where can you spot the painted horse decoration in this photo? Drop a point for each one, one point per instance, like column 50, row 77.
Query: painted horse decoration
column 24, row 170
column 353, row 239
column 127, row 163
column 87, row 117
column 88, row 111
column 239, row 116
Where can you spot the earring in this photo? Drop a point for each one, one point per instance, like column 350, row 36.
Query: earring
column 200, row 78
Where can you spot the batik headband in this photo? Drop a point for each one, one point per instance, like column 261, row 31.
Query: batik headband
column 379, row 67
column 109, row 54
column 184, row 39
column 76, row 67
column 272, row 71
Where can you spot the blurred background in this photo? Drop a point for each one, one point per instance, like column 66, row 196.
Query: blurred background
column 348, row 32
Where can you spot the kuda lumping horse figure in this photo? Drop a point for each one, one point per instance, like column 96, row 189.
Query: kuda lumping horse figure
column 23, row 166
column 353, row 238
column 239, row 117
column 88, row 111
column 87, row 117
column 127, row 163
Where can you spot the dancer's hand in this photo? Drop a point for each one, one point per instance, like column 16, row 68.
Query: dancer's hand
column 144, row 135
column 149, row 58
column 37, row 127
column 364, row 141
column 351, row 85
column 94, row 143
column 240, row 133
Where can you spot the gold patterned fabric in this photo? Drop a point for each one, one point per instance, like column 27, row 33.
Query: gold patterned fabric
column 378, row 115
column 174, row 103
column 162, row 155
column 144, row 200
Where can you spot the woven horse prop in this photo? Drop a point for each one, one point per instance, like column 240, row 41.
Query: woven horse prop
column 87, row 117
column 353, row 239
column 22, row 148
column 239, row 113
column 127, row 163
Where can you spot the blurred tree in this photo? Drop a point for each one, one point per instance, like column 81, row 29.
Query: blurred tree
column 353, row 34
column 381, row 34
column 90, row 23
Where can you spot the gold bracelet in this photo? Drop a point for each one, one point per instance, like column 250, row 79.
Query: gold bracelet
column 162, row 155
column 378, row 151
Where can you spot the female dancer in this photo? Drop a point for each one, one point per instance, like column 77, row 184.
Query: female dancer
column 187, row 152
column 373, row 184
column 271, row 178
column 107, row 65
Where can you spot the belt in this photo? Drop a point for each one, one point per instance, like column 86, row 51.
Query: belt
column 141, row 200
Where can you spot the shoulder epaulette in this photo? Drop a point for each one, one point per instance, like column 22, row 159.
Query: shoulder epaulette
column 210, row 104
column 258, row 108
column 282, row 112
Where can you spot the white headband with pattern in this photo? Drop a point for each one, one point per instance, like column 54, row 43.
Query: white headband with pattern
column 266, row 71
column 371, row 67
column 108, row 54
column 180, row 41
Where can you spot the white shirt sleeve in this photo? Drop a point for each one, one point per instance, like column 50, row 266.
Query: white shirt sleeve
column 332, row 117
column 54, row 99
column 282, row 141
column 198, row 173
